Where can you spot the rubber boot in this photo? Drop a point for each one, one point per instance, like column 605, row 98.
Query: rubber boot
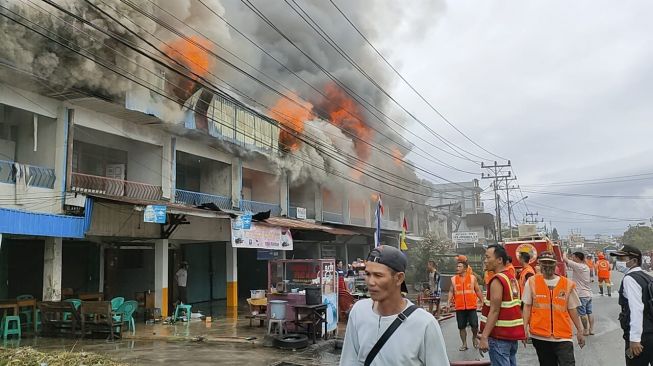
column 601, row 290
column 610, row 291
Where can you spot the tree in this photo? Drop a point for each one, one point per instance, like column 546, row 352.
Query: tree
column 639, row 236
column 554, row 234
column 432, row 248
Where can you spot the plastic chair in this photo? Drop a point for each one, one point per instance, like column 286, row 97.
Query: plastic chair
column 76, row 303
column 7, row 329
column 27, row 312
column 125, row 314
column 182, row 307
column 116, row 302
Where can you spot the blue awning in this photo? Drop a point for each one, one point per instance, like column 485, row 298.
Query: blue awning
column 40, row 224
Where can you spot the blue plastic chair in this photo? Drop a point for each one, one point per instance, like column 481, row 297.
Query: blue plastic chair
column 76, row 303
column 116, row 302
column 8, row 329
column 27, row 312
column 125, row 314
column 185, row 308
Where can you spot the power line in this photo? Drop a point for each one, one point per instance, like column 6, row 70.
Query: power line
column 408, row 83
column 347, row 89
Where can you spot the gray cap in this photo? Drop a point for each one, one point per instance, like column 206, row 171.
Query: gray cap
column 389, row 256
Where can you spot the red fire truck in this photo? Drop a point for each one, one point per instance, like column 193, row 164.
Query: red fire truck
column 534, row 245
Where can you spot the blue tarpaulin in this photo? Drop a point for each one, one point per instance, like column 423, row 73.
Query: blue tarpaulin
column 40, row 224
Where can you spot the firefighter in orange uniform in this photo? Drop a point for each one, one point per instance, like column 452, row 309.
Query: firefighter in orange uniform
column 526, row 270
column 510, row 268
column 603, row 273
column 502, row 325
column 463, row 292
column 550, row 303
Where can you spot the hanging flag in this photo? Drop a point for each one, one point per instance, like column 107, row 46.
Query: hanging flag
column 378, row 214
column 404, row 229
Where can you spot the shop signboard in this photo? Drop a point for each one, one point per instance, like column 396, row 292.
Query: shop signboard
column 267, row 254
column 465, row 237
column 259, row 236
column 301, row 213
column 155, row 214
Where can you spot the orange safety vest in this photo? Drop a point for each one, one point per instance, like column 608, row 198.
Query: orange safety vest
column 549, row 315
column 488, row 277
column 511, row 269
column 590, row 263
column 510, row 325
column 603, row 268
column 463, row 292
column 522, row 277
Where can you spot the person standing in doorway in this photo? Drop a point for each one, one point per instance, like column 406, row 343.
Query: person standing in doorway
column 434, row 287
column 603, row 273
column 550, row 303
column 502, row 325
column 581, row 275
column 370, row 339
column 463, row 292
column 636, row 315
column 182, row 278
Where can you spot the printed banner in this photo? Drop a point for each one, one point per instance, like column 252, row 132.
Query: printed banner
column 259, row 236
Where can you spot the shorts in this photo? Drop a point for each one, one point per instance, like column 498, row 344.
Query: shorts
column 604, row 279
column 585, row 307
column 467, row 317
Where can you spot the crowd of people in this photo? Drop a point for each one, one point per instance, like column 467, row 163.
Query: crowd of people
column 533, row 305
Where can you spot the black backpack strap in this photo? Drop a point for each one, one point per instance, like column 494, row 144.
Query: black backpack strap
column 386, row 335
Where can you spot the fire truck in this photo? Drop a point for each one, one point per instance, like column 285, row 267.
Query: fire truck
column 534, row 243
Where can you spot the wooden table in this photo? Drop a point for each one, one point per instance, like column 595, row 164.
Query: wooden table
column 313, row 316
column 17, row 304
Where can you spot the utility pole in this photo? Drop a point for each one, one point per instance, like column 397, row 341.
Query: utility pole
column 494, row 172
column 532, row 219
column 508, row 189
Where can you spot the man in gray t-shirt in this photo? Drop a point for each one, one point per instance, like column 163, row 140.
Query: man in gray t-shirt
column 418, row 341
column 580, row 273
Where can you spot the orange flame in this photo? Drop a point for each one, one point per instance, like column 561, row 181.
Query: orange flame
column 293, row 116
column 191, row 53
column 345, row 113
column 397, row 156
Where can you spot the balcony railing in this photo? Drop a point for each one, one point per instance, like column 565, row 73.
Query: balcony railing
column 254, row 206
column 35, row 176
column 310, row 212
column 197, row 198
column 338, row 218
column 84, row 183
column 357, row 221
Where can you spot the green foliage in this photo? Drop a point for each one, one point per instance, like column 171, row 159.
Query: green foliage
column 433, row 248
column 639, row 236
column 555, row 235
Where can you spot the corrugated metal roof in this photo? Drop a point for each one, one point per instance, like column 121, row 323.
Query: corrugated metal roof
column 40, row 224
column 307, row 225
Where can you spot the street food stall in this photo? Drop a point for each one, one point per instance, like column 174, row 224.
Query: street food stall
column 309, row 288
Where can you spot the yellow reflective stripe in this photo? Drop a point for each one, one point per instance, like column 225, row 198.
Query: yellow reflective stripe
column 504, row 304
column 505, row 323
column 508, row 282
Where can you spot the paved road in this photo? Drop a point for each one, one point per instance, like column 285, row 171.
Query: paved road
column 604, row 348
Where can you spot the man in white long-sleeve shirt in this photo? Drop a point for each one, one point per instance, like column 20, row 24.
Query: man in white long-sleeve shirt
column 417, row 341
column 635, row 318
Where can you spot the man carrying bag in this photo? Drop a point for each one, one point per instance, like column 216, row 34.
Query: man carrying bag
column 388, row 329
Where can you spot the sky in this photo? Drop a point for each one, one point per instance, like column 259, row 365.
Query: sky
column 562, row 89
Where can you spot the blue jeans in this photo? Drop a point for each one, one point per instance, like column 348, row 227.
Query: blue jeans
column 503, row 353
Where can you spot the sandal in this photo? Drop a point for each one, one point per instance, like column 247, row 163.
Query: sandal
column 463, row 349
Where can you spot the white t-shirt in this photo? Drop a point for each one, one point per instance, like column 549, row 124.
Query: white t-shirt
column 572, row 303
column 580, row 275
column 182, row 277
column 418, row 341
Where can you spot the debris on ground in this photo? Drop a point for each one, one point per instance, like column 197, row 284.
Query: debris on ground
column 30, row 356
